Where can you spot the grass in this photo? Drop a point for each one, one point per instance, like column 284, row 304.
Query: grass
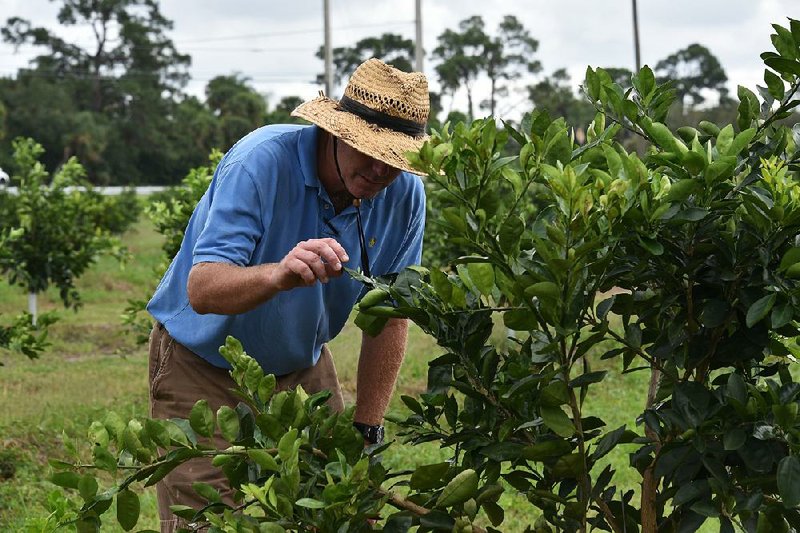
column 94, row 365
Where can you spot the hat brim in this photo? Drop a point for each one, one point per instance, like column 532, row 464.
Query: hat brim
column 382, row 144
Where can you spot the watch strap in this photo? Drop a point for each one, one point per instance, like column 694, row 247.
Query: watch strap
column 372, row 434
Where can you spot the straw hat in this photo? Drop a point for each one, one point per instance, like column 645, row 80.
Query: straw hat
column 383, row 113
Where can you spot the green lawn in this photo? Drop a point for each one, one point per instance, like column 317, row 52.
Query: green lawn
column 94, row 365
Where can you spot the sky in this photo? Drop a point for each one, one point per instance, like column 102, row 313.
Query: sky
column 273, row 42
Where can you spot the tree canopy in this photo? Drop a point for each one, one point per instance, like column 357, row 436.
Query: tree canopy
column 694, row 71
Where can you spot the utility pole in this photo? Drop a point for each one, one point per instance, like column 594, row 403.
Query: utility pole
column 636, row 37
column 328, row 54
column 419, row 53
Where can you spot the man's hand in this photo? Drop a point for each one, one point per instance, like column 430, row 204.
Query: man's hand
column 308, row 262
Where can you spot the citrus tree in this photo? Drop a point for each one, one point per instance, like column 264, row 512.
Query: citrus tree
column 682, row 263
column 51, row 233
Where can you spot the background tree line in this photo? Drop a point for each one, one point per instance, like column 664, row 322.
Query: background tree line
column 120, row 107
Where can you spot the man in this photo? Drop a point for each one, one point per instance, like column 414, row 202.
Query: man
column 263, row 257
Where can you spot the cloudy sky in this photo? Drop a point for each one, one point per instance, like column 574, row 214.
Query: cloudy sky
column 273, row 42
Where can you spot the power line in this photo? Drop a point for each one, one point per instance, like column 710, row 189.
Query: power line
column 299, row 32
column 179, row 44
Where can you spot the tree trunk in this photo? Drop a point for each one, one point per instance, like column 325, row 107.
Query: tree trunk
column 649, row 481
column 32, row 306
column 491, row 98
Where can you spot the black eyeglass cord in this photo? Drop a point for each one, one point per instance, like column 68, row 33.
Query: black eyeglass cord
column 357, row 204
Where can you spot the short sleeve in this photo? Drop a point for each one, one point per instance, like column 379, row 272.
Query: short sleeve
column 237, row 219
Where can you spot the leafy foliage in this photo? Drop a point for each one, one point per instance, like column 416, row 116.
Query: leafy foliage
column 25, row 337
column 465, row 54
column 701, row 234
column 293, row 464
column 50, row 232
column 109, row 103
column 693, row 70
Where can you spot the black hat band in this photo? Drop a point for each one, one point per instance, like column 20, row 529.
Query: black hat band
column 400, row 125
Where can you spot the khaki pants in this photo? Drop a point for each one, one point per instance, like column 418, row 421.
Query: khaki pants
column 178, row 378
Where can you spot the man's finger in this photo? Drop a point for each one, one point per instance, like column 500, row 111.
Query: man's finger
column 300, row 269
column 328, row 249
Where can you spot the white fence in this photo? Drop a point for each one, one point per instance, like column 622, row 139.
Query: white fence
column 142, row 190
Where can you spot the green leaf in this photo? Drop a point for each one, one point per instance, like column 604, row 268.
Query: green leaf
column 543, row 290
column 103, row 459
column 781, row 315
column 510, row 233
column 266, row 387
column 558, row 421
column 724, row 139
column 783, row 65
column 609, row 441
column 87, row 487
column 644, row 81
column 714, row 313
column 286, row 445
column 460, row 489
column 741, row 141
column 663, row 137
column 546, row 449
column 201, row 418
column 737, row 389
column 519, row 320
column 759, row 309
column 720, row 169
column 652, row 246
column 789, row 481
column 183, row 511
column 695, row 163
column 513, row 177
column 370, row 324
column 427, row 477
column 734, row 439
column 682, row 189
column 228, row 421
column 69, row 480
column 494, row 512
column 775, row 84
column 691, row 214
column 793, row 271
column 791, row 257
column 207, row 491
column 127, row 509
column 592, row 84
column 441, row 284
column 588, row 378
column 310, row 503
column 482, row 275
column 263, row 459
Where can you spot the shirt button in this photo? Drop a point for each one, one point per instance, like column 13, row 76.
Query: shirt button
column 327, row 206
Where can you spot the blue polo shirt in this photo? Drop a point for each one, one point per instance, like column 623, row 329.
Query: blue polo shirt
column 264, row 198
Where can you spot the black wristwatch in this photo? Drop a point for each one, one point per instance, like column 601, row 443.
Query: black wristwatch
column 372, row 434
